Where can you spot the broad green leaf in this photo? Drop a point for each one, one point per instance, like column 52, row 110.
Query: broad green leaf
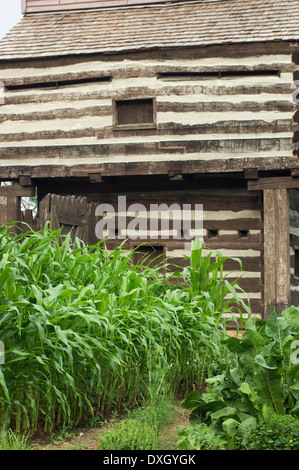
column 260, row 360
column 247, row 425
column 223, row 412
column 230, row 427
column 292, row 315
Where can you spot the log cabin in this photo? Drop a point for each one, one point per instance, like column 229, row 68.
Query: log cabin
column 160, row 102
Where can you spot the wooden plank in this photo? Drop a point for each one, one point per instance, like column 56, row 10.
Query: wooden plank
column 25, row 180
column 33, row 6
column 13, row 168
column 282, row 255
column 278, row 182
column 44, row 211
column 17, row 191
column 251, row 173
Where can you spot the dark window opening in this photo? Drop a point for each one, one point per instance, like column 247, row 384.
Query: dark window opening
column 58, row 83
column 132, row 112
column 149, row 255
column 212, row 234
column 216, row 74
column 243, row 233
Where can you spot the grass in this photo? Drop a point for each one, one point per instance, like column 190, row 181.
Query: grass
column 13, row 441
column 143, row 428
column 84, row 329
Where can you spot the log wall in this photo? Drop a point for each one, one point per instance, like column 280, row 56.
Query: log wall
column 219, row 111
column 228, row 111
column 232, row 224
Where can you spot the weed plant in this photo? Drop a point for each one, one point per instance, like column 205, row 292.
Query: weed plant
column 12, row 441
column 82, row 328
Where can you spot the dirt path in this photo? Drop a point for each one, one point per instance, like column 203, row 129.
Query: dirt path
column 86, row 439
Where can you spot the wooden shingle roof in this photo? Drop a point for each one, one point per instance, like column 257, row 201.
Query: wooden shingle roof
column 145, row 27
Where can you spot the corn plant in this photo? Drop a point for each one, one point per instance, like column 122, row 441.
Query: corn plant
column 205, row 276
column 82, row 327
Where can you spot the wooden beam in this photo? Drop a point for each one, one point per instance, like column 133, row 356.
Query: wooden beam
column 269, row 250
column 282, row 257
column 17, row 191
column 251, row 173
column 25, row 180
column 80, row 169
column 277, row 182
column 95, row 178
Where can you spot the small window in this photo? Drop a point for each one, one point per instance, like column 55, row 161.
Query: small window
column 212, row 234
column 243, row 233
column 58, row 83
column 132, row 113
column 216, row 74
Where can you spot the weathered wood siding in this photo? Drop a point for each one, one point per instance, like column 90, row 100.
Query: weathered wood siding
column 231, row 119
column 34, row 6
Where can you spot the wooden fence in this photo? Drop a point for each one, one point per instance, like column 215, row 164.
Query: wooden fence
column 70, row 214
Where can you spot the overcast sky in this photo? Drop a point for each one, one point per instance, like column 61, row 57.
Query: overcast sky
column 10, row 15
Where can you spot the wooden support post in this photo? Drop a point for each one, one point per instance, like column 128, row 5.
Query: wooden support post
column 3, row 210
column 10, row 203
column 269, row 251
column 276, row 250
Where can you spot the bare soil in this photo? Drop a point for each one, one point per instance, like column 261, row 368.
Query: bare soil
column 86, row 439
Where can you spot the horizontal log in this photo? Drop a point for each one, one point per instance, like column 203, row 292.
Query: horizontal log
column 66, row 113
column 225, row 106
column 84, row 93
column 243, row 50
column 148, row 69
column 17, row 191
column 71, row 112
column 279, row 182
column 12, row 169
column 238, row 146
column 226, row 128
